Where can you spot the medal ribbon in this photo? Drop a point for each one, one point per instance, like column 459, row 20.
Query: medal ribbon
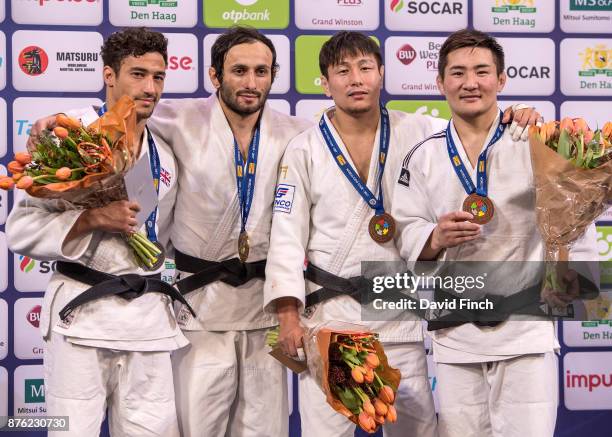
column 246, row 183
column 349, row 171
column 155, row 170
column 457, row 163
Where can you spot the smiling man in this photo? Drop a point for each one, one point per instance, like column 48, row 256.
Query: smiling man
column 109, row 351
column 228, row 147
column 466, row 193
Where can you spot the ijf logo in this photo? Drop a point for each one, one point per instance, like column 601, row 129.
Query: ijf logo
column 283, row 200
column 596, row 60
column 33, row 60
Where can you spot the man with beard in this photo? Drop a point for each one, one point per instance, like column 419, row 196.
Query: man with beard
column 228, row 147
column 111, row 350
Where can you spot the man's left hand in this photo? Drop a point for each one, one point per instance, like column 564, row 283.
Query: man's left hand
column 522, row 117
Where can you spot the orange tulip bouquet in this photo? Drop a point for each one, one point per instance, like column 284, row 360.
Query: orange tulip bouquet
column 84, row 166
column 572, row 166
column 351, row 368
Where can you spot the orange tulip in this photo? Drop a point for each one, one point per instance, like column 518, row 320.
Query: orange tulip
column 68, row 122
column 567, row 124
column 391, row 414
column 366, row 422
column 580, row 125
column 379, row 419
column 386, row 394
column 6, row 183
column 372, row 360
column 369, row 408
column 63, row 173
column 15, row 167
column 25, row 182
column 369, row 375
column 17, row 176
column 358, row 374
column 380, row 407
column 547, row 130
column 588, row 136
column 607, row 130
column 23, row 158
column 60, row 132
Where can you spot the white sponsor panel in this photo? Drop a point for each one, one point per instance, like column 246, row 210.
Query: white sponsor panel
column 29, row 391
column 26, row 110
column 546, row 108
column 3, row 207
column 28, row 340
column 2, row 61
column 3, row 137
column 586, row 66
column 281, row 81
column 337, row 14
column 4, row 337
column 31, row 275
column 57, row 61
column 607, row 215
column 3, row 394
column 436, row 15
column 280, row 105
column 514, row 15
column 587, row 380
column 2, row 10
column 412, row 65
column 586, row 16
column 433, row 379
column 596, row 114
column 3, row 261
column 312, row 109
column 591, row 333
column 530, row 66
column 153, row 13
column 72, row 12
column 182, row 73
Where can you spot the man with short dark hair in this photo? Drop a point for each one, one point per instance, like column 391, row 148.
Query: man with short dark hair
column 494, row 378
column 228, row 147
column 109, row 352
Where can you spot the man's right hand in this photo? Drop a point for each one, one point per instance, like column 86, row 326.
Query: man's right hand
column 291, row 329
column 116, row 217
column 39, row 125
column 453, row 229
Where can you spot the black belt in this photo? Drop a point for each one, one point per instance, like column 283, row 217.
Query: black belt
column 356, row 287
column 128, row 286
column 232, row 272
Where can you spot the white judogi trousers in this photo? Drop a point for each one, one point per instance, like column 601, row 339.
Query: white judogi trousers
column 517, row 397
column 227, row 385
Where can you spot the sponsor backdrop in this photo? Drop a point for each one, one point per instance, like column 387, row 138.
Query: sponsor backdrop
column 559, row 58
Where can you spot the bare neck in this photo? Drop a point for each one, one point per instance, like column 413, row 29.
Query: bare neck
column 474, row 131
column 242, row 126
column 356, row 125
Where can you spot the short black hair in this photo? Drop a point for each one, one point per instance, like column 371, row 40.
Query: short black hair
column 471, row 38
column 347, row 43
column 232, row 37
column 134, row 41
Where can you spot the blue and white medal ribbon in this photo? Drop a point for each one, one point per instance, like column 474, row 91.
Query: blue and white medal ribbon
column 382, row 225
column 477, row 202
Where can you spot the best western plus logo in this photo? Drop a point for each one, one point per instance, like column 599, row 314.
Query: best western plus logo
column 33, row 316
column 596, row 60
column 590, row 5
column 33, row 60
column 406, row 54
column 522, row 6
column 34, row 390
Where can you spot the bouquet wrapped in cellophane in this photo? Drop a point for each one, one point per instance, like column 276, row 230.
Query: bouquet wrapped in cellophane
column 572, row 168
column 350, row 366
column 84, row 165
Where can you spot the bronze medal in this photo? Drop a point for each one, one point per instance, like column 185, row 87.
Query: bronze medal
column 382, row 227
column 243, row 246
column 480, row 207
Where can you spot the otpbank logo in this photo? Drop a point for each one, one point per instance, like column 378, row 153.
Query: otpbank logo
column 262, row 14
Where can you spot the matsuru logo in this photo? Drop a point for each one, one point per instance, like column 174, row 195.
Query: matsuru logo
column 33, row 60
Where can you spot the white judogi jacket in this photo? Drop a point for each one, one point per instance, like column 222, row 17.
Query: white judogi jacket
column 207, row 214
column 328, row 222
column 428, row 188
column 37, row 228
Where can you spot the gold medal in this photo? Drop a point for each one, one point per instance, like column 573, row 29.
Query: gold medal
column 480, row 207
column 243, row 246
column 382, row 227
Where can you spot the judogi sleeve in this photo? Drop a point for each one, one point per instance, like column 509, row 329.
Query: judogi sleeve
column 411, row 209
column 38, row 228
column 290, row 228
